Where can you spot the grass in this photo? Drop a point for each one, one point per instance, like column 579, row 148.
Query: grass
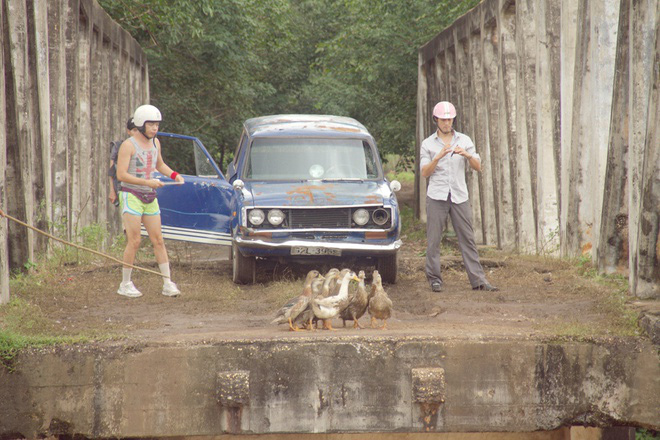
column 25, row 326
column 412, row 228
column 614, row 294
column 22, row 323
column 402, row 176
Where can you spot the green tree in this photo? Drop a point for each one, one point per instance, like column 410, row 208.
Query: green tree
column 368, row 70
column 215, row 63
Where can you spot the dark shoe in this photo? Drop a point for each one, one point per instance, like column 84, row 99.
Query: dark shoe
column 486, row 287
column 436, row 286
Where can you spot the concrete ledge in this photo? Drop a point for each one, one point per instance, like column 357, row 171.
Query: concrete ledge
column 329, row 385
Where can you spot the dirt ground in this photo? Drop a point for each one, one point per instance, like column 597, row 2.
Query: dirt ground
column 539, row 298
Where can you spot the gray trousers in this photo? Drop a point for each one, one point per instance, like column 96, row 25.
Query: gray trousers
column 461, row 219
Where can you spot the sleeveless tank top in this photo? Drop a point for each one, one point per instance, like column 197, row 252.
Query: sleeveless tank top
column 142, row 165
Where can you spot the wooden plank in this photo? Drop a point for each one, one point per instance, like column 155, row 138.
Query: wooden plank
column 57, row 25
column 73, row 115
column 509, row 216
column 43, row 98
column 4, row 251
column 18, row 42
column 490, row 43
column 526, row 158
column 422, row 117
column 486, row 205
column 648, row 266
column 613, row 244
column 87, row 194
column 546, row 102
column 98, row 158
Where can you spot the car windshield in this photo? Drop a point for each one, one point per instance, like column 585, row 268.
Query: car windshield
column 310, row 158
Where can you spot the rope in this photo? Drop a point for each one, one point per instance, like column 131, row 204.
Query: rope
column 3, row 214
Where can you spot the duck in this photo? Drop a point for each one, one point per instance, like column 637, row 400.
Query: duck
column 358, row 301
column 329, row 283
column 380, row 305
column 306, row 318
column 327, row 308
column 290, row 311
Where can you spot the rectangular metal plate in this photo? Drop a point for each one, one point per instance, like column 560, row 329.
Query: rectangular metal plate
column 311, row 250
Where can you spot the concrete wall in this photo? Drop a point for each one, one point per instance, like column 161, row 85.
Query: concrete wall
column 561, row 100
column 334, row 385
column 70, row 79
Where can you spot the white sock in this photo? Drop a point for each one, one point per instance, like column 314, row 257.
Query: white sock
column 165, row 270
column 126, row 274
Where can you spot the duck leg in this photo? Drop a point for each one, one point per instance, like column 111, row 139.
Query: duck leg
column 373, row 322
column 327, row 324
column 356, row 323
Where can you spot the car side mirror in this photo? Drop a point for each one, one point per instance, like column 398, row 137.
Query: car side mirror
column 395, row 185
column 238, row 185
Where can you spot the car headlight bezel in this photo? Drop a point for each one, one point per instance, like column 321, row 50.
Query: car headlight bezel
column 256, row 217
column 361, row 217
column 273, row 215
column 380, row 216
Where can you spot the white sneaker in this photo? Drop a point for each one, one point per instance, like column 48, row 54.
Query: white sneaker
column 170, row 289
column 128, row 289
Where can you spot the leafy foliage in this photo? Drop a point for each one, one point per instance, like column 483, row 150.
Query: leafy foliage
column 215, row 63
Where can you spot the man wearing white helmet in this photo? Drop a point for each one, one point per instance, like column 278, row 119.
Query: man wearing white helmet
column 443, row 159
column 139, row 157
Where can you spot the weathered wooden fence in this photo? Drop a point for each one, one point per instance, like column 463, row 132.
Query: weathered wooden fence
column 561, row 100
column 70, row 79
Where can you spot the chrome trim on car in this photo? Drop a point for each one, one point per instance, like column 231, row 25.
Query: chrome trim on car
column 256, row 243
column 361, row 205
column 347, row 230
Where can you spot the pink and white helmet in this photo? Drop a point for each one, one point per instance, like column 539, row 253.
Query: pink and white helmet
column 444, row 110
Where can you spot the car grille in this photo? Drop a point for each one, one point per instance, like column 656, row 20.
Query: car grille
column 320, row 218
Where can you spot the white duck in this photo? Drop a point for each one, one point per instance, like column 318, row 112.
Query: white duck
column 327, row 308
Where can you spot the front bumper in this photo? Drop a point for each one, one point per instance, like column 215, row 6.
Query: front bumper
column 259, row 247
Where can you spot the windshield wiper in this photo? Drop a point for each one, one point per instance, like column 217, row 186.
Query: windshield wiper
column 340, row 179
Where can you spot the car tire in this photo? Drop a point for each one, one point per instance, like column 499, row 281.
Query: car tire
column 243, row 268
column 388, row 267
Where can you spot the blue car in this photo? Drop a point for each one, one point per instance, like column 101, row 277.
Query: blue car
column 301, row 188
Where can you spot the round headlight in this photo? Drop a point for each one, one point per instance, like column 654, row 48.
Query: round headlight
column 256, row 217
column 275, row 217
column 361, row 217
column 380, row 216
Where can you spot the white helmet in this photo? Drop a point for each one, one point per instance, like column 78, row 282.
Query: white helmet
column 146, row 113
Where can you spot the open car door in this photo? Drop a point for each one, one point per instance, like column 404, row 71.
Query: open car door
column 200, row 209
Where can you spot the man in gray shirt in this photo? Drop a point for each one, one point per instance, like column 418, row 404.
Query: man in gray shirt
column 443, row 159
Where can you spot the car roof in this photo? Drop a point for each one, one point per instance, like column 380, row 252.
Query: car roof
column 305, row 125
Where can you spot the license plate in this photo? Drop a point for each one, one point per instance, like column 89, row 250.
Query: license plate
column 311, row 250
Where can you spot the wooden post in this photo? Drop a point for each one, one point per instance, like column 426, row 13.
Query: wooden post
column 18, row 48
column 4, row 252
column 43, row 97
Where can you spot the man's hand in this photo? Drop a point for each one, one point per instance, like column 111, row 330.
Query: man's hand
column 462, row 152
column 442, row 153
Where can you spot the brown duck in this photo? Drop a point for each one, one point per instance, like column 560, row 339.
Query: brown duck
column 358, row 300
column 290, row 311
column 380, row 305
